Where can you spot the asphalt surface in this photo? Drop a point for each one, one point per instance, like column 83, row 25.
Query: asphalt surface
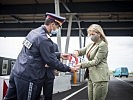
column 119, row 89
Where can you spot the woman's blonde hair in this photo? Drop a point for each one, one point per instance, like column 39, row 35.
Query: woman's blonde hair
column 98, row 29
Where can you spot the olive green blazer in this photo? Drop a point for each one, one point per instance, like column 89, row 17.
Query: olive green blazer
column 97, row 62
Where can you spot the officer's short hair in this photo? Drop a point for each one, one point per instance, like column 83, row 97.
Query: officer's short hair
column 49, row 21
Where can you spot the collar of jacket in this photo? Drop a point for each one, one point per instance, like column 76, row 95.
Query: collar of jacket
column 96, row 44
column 99, row 42
column 46, row 31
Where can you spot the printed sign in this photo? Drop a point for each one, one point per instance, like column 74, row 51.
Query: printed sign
column 4, row 67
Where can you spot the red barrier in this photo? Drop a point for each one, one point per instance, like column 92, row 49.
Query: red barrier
column 5, row 87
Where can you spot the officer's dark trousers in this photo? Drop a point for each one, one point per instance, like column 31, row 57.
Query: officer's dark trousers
column 48, row 88
column 20, row 89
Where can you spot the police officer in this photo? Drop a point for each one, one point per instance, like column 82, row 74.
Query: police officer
column 28, row 73
column 49, row 79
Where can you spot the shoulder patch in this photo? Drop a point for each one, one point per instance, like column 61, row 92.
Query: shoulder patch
column 27, row 44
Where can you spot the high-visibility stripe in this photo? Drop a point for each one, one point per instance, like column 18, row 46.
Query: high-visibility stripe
column 30, row 91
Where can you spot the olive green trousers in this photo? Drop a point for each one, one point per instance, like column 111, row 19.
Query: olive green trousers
column 97, row 90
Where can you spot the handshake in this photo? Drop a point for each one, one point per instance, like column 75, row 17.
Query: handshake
column 73, row 67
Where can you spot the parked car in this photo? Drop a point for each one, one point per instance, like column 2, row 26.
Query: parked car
column 122, row 71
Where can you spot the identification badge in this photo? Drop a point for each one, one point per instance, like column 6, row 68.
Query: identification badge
column 27, row 44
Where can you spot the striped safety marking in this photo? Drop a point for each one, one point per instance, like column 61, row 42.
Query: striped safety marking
column 5, row 87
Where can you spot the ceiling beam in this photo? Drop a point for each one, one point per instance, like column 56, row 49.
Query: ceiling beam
column 84, row 25
column 19, row 33
column 81, row 7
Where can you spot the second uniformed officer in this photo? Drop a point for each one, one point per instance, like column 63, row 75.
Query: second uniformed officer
column 49, row 79
column 28, row 74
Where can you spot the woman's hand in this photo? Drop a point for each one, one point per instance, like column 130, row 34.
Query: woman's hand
column 73, row 69
column 78, row 66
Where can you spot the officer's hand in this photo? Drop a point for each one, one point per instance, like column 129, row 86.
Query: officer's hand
column 73, row 69
column 46, row 65
column 64, row 56
column 77, row 66
column 75, row 53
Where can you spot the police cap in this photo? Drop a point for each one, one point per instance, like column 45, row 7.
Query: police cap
column 60, row 20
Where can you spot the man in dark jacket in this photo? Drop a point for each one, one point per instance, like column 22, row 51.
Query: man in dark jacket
column 28, row 73
column 49, row 79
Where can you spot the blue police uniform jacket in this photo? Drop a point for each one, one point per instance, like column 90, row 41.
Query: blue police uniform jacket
column 50, row 72
column 37, row 51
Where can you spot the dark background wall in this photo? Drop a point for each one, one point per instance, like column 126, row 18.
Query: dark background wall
column 116, row 17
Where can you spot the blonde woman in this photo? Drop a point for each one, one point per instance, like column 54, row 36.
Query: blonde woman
column 96, row 53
